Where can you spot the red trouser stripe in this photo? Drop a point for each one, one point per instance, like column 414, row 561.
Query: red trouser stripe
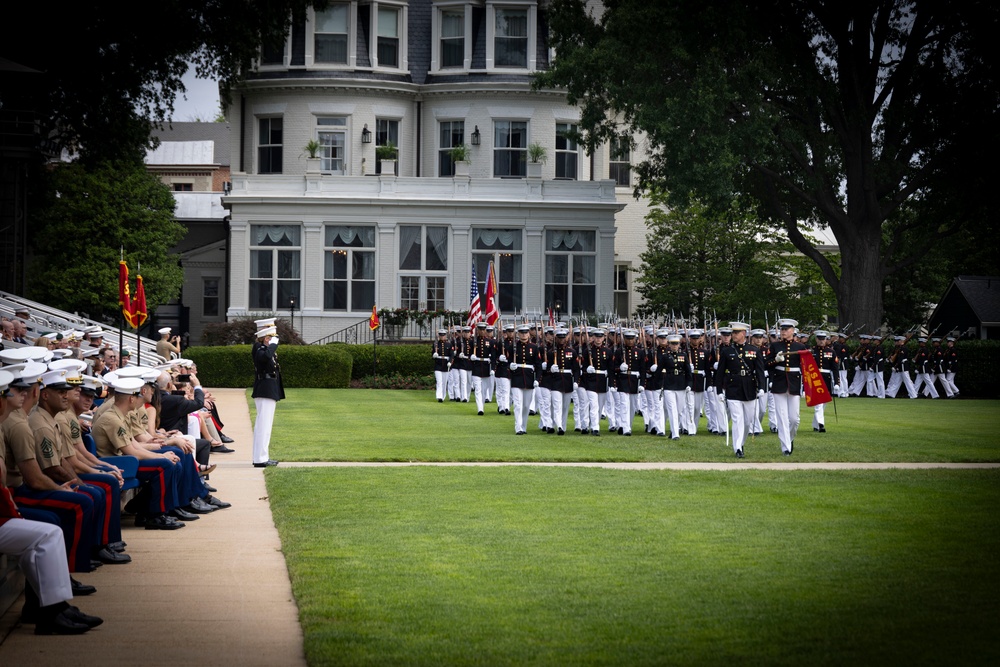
column 163, row 485
column 107, row 509
column 77, row 522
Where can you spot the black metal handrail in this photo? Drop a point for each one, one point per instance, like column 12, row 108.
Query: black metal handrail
column 361, row 334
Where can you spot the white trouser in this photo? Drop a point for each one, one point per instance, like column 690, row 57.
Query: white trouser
column 712, row 410
column 900, row 378
column 611, row 409
column 843, row 383
column 522, row 403
column 945, row 385
column 652, row 414
column 41, row 554
column 742, row 414
column 860, row 378
column 262, row 428
column 695, row 403
column 479, row 390
column 560, row 408
column 440, row 385
column 625, row 408
column 759, row 412
column 454, row 384
column 581, row 410
column 928, row 381
column 503, row 394
column 488, row 387
column 950, row 379
column 672, row 402
column 819, row 415
column 595, row 404
column 772, row 419
column 466, row 387
column 543, row 405
column 786, row 408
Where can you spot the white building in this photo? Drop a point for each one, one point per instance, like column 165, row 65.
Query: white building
column 334, row 238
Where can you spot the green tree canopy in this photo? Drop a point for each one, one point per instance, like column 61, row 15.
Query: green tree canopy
column 88, row 216
column 701, row 262
column 823, row 112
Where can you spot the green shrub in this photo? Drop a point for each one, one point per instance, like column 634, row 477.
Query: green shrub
column 406, row 360
column 312, row 366
column 242, row 330
column 394, row 381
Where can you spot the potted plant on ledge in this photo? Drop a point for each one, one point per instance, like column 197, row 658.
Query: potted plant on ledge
column 460, row 156
column 537, row 155
column 386, row 155
column 313, row 161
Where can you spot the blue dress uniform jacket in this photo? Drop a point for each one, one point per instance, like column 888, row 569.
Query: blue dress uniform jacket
column 629, row 380
column 702, row 362
column 529, row 365
column 445, row 352
column 485, row 350
column 786, row 375
column 829, row 364
column 674, row 371
column 741, row 371
column 267, row 373
column 564, row 359
column 600, row 357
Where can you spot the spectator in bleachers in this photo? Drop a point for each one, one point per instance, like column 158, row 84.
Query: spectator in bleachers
column 110, row 359
column 20, row 331
column 168, row 347
column 8, row 329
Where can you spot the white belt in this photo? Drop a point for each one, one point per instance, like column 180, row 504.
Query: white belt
column 699, row 372
column 635, row 373
column 601, row 372
column 565, row 371
column 826, row 370
column 787, row 370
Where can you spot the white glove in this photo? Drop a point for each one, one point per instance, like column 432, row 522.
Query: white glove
column 652, row 369
column 492, row 372
column 836, row 388
column 514, row 366
column 623, row 368
column 462, row 355
column 779, row 357
column 687, row 390
column 545, row 365
column 474, row 358
column 760, row 392
column 722, row 398
column 591, row 370
column 535, row 386
column 274, row 339
column 641, row 389
column 502, row 358
column 554, row 369
column 436, row 355
column 575, row 386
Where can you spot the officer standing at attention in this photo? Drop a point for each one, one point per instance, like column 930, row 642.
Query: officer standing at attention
column 267, row 390
column 740, row 380
column 525, row 366
column 442, row 353
column 785, row 374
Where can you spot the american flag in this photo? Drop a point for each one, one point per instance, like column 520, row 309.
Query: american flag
column 475, row 312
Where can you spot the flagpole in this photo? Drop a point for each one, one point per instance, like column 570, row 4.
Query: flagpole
column 138, row 343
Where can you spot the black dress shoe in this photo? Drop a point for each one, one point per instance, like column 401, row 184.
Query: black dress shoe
column 596, row 431
column 480, row 413
column 80, row 589
column 60, row 624
column 162, row 522
column 739, row 453
column 562, row 432
column 215, row 502
column 225, row 439
column 209, row 487
column 266, row 464
column 822, row 429
column 199, row 506
column 222, row 449
column 112, row 557
column 181, row 515
column 786, row 452
column 74, row 614
column 94, row 564
column 117, row 546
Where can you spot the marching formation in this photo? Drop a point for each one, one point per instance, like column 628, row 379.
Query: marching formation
column 733, row 376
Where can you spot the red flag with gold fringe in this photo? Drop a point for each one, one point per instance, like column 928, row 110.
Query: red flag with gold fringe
column 373, row 322
column 139, row 314
column 816, row 390
column 124, row 298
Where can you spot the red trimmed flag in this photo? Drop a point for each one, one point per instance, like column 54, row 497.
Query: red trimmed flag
column 124, row 299
column 475, row 308
column 552, row 318
column 373, row 322
column 492, row 312
column 816, row 390
column 139, row 314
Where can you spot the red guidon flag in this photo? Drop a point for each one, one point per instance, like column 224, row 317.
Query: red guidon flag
column 492, row 312
column 139, row 314
column 816, row 390
column 124, row 299
column 373, row 322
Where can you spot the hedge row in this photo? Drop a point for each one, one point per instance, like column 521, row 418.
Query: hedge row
column 316, row 366
column 406, row 360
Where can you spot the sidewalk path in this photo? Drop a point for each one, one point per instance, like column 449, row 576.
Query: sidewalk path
column 649, row 465
column 213, row 593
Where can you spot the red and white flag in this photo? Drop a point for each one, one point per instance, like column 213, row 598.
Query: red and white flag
column 492, row 312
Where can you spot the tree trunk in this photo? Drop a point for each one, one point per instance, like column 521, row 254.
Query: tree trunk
column 859, row 293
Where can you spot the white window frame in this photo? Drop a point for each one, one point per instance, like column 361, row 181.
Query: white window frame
column 352, row 39
column 497, row 254
column 286, row 56
column 523, row 149
column 334, row 127
column 258, row 145
column 379, row 142
column 219, row 310
column 423, row 275
column 401, row 24
column 619, row 291
column 491, row 22
column 570, row 305
column 436, row 30
column 274, row 279
column 575, row 151
column 612, row 152
column 350, row 251
column 445, row 150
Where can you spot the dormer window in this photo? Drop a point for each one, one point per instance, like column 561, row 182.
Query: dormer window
column 330, row 34
column 511, row 29
column 388, row 36
column 453, row 38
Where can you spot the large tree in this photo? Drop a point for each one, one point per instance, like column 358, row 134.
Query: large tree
column 87, row 218
column 108, row 71
column 823, row 112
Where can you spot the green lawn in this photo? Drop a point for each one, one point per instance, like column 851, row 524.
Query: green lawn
column 556, row 566
column 386, row 425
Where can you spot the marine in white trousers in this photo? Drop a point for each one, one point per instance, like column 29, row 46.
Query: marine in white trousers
column 786, row 409
column 503, row 394
column 581, row 411
column 900, row 378
column 521, row 399
column 673, row 400
column 441, row 385
column 695, row 403
column 742, row 417
column 625, row 409
column 41, row 554
column 262, row 429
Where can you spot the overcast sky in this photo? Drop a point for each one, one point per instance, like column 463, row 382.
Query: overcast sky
column 202, row 101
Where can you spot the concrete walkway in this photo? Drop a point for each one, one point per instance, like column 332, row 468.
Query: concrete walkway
column 213, row 593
